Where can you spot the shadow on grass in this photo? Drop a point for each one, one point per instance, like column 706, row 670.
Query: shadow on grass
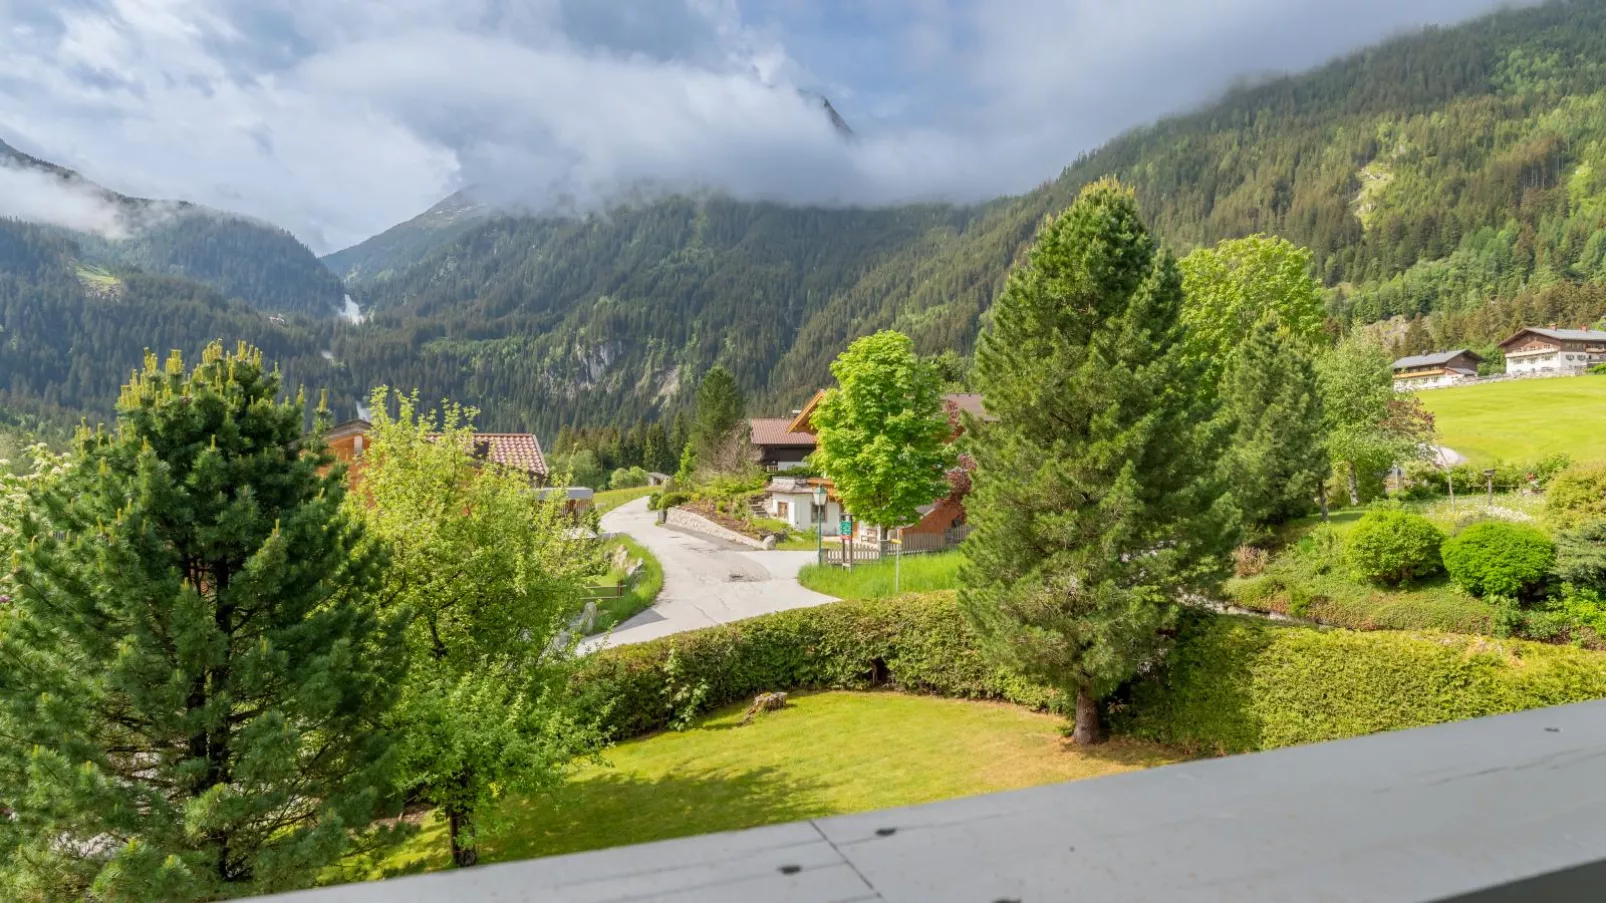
column 604, row 809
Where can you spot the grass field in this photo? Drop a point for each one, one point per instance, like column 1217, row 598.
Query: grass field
column 1522, row 420
column 874, row 580
column 824, row 754
column 609, row 499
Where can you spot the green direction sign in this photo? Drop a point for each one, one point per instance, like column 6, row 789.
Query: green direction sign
column 845, row 528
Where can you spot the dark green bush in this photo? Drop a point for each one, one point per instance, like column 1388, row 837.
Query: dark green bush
column 1493, row 558
column 1231, row 684
column 662, row 500
column 1236, row 684
column 1392, row 546
column 1577, row 496
column 1581, row 556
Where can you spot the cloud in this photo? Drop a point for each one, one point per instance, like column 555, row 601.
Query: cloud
column 40, row 197
column 337, row 120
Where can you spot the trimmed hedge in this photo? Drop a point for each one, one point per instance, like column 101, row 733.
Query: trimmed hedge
column 915, row 643
column 1238, row 684
column 1232, row 684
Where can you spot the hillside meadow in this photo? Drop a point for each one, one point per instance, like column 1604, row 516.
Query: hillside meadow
column 1522, row 420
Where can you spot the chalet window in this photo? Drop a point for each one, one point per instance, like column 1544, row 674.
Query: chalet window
column 784, row 509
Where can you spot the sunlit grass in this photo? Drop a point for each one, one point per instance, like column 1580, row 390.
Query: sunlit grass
column 885, row 577
column 1522, row 420
column 824, row 754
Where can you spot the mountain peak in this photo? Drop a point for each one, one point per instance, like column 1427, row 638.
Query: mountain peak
column 824, row 103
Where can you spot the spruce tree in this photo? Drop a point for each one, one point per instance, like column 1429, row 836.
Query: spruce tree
column 655, row 453
column 196, row 679
column 1277, row 461
column 1097, row 502
column 720, row 407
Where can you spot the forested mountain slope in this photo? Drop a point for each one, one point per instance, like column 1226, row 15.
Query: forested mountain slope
column 70, row 334
column 263, row 265
column 1457, row 175
column 1452, row 181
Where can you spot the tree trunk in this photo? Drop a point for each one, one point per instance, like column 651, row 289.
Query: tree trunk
column 460, row 829
column 1354, row 486
column 1089, row 728
column 1321, row 496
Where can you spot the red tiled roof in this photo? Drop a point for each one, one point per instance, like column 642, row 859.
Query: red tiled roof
column 776, row 431
column 517, row 450
column 969, row 402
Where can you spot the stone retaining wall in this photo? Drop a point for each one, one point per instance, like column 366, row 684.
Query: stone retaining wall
column 685, row 520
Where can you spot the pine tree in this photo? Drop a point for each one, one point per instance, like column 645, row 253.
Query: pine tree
column 196, row 678
column 719, row 411
column 1278, row 458
column 1096, row 501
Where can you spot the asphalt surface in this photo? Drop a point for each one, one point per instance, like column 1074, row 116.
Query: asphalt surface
column 707, row 581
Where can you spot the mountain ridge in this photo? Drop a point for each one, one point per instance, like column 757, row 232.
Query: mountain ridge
column 241, row 256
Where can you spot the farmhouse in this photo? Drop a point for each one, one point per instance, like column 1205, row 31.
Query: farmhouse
column 794, row 500
column 782, row 444
column 1430, row 371
column 1552, row 351
column 776, row 446
column 519, row 451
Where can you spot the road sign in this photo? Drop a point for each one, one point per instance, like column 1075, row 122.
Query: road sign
column 845, row 528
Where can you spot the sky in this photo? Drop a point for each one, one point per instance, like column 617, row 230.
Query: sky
column 337, row 119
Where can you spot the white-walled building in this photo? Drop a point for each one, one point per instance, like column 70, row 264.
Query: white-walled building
column 1432, row 371
column 791, row 499
column 1535, row 351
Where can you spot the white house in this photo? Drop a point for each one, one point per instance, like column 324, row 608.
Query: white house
column 1553, row 352
column 794, row 500
column 1432, row 371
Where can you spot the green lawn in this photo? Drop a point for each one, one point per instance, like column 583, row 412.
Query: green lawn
column 640, row 597
column 609, row 499
column 824, row 754
column 1522, row 420
column 874, row 580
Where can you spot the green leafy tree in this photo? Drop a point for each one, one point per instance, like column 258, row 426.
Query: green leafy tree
column 1243, row 282
column 1278, row 458
column 1370, row 427
column 493, row 574
column 1096, row 499
column 882, row 433
column 720, row 407
column 196, row 678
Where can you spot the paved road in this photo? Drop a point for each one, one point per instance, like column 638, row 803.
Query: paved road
column 707, row 581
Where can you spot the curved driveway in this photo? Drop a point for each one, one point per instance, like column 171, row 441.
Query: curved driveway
column 707, row 581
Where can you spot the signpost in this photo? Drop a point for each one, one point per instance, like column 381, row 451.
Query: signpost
column 897, row 563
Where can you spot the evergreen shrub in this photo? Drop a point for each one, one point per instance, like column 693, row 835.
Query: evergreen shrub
column 1577, row 495
column 1393, row 547
column 1493, row 558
